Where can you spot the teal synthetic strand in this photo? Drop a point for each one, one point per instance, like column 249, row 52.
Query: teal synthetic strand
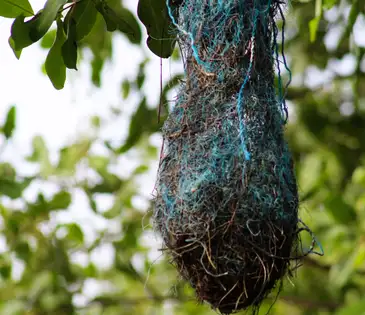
column 240, row 100
column 191, row 37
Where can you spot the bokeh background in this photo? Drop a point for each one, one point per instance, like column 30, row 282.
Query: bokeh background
column 77, row 172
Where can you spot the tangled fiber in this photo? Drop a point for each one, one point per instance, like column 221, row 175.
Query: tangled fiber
column 226, row 199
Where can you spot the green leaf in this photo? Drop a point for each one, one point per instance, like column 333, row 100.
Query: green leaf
column 340, row 210
column 40, row 284
column 108, row 15
column 357, row 308
column 40, row 154
column 5, row 266
column 110, row 184
column 358, row 176
column 7, row 171
column 141, row 75
column 84, row 14
column 90, row 271
column 313, row 27
column 25, row 34
column 50, row 302
column 14, row 307
column 14, row 8
column 23, row 250
column 114, row 211
column 61, row 200
column 17, row 52
column 161, row 48
column 98, row 162
column 47, row 17
column 143, row 120
column 39, row 207
column 69, row 48
column 13, row 189
column 100, row 43
column 42, row 207
column 126, row 87
column 9, row 124
column 55, row 67
column 127, row 24
column 140, row 170
column 122, row 19
column 5, row 271
column 70, row 156
column 341, row 273
column 119, row 18
column 328, row 4
column 128, row 270
column 75, row 234
column 95, row 121
column 175, row 54
column 96, row 65
column 20, row 33
column 162, row 33
column 311, row 172
column 314, row 23
column 48, row 39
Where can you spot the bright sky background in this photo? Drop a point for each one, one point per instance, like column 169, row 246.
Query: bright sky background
column 59, row 116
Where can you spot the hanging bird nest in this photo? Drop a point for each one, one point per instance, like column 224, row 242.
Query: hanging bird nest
column 226, row 200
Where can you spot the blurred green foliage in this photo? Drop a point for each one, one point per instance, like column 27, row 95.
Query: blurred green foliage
column 39, row 273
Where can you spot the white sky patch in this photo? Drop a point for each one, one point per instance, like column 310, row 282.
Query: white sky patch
column 359, row 31
column 92, row 288
column 138, row 261
column 333, row 36
column 103, row 256
column 153, row 241
column 18, row 267
column 140, row 203
column 345, row 66
column 316, row 77
column 347, row 108
column 3, row 245
column 332, row 14
column 79, row 300
column 104, row 201
column 80, row 258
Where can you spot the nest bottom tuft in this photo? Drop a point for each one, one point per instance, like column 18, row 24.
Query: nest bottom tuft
column 235, row 268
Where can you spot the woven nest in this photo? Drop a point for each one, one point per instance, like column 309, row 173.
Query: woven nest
column 226, row 201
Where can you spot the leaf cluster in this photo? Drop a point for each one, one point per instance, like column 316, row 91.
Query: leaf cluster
column 78, row 22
